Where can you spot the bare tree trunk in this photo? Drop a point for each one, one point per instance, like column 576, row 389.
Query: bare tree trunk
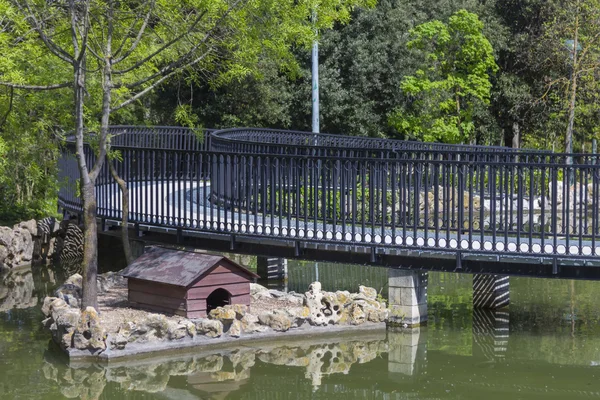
column 88, row 191
column 125, row 210
column 107, row 86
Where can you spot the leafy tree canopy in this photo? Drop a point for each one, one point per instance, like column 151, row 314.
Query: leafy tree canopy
column 458, row 61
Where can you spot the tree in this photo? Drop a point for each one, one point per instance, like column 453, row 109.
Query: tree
column 121, row 51
column 458, row 61
column 571, row 56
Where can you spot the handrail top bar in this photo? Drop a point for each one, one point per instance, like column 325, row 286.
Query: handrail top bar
column 220, row 135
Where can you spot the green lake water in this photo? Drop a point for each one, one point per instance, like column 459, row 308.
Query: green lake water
column 546, row 345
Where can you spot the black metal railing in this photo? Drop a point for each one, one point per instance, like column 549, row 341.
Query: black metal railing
column 467, row 200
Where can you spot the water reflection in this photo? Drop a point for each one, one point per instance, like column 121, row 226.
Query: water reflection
column 546, row 345
column 25, row 287
column 216, row 374
column 392, row 365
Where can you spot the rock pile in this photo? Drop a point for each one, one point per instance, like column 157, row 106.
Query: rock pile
column 72, row 328
column 17, row 244
column 271, row 311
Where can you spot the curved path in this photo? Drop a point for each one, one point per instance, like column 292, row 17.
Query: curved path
column 331, row 197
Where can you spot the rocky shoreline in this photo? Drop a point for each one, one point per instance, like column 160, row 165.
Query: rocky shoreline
column 32, row 241
column 117, row 330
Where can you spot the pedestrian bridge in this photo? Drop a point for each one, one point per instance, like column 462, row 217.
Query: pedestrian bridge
column 413, row 205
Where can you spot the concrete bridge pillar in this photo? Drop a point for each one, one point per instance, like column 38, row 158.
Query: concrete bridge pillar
column 490, row 333
column 490, row 291
column 407, row 298
column 407, row 354
column 272, row 269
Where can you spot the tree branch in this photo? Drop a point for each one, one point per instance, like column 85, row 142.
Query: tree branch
column 53, row 47
column 158, row 82
column 161, row 49
column 10, row 106
column 36, row 87
column 138, row 38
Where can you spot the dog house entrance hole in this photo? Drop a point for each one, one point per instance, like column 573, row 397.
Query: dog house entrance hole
column 218, row 298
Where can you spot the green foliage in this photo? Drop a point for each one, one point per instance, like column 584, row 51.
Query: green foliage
column 458, row 61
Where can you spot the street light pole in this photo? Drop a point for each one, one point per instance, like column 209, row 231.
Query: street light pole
column 573, row 47
column 315, row 82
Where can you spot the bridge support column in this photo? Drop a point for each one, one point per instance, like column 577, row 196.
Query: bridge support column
column 490, row 333
column 272, row 269
column 407, row 351
column 490, row 291
column 407, row 298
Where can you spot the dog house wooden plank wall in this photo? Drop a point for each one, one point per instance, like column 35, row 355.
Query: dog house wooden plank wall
column 186, row 283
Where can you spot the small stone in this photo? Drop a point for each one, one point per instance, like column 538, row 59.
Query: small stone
column 277, row 293
column 235, row 330
column 189, row 326
column 119, row 342
column 208, row 327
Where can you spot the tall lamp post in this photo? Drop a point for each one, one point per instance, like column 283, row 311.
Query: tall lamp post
column 315, row 81
column 315, row 100
column 573, row 47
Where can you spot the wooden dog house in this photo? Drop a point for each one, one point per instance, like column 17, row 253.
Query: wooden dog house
column 186, row 283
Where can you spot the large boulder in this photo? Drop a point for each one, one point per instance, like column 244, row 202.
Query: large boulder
column 64, row 323
column 325, row 307
column 223, row 314
column 208, row 327
column 50, row 303
column 30, row 226
column 89, row 334
column 71, row 291
column 178, row 330
column 250, row 324
column 367, row 292
column 357, row 315
column 298, row 315
column 22, row 246
column 277, row 320
column 258, row 291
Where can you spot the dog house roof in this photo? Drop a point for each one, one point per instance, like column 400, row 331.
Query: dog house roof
column 176, row 267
